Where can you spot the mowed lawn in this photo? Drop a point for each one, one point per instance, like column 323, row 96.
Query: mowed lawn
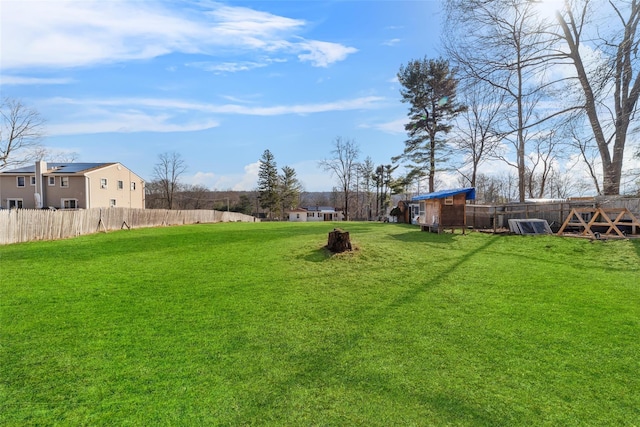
column 256, row 324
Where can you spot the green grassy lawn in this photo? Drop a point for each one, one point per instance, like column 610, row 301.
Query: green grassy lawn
column 256, row 324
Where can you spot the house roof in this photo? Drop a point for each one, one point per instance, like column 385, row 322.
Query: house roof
column 59, row 168
column 321, row 208
column 470, row 194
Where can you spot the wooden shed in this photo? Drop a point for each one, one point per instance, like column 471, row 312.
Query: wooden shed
column 445, row 209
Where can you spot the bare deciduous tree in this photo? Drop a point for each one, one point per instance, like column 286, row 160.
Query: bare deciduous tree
column 507, row 45
column 342, row 165
column 21, row 131
column 194, row 196
column 587, row 151
column 365, row 173
column 610, row 91
column 167, row 172
column 542, row 163
column 476, row 135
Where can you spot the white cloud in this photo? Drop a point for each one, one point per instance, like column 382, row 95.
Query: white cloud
column 322, row 54
column 249, row 180
column 391, row 42
column 393, row 127
column 162, row 115
column 308, row 173
column 202, row 178
column 23, row 80
column 126, row 122
column 235, row 182
column 227, row 67
column 74, row 33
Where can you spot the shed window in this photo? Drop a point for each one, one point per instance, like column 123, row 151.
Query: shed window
column 448, row 200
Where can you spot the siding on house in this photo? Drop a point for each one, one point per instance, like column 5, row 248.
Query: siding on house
column 314, row 214
column 297, row 215
column 72, row 185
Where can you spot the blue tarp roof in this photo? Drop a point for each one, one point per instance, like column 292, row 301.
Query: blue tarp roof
column 470, row 194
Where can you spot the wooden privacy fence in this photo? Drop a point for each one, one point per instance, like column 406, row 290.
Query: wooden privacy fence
column 24, row 225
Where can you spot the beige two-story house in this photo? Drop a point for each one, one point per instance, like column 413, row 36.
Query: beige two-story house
column 71, row 186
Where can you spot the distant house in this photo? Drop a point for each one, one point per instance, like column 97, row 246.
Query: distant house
column 444, row 209
column 71, row 186
column 314, row 213
column 297, row 215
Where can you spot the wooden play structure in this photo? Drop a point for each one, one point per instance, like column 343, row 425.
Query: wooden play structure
column 586, row 219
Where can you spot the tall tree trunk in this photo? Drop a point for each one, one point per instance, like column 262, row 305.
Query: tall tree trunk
column 626, row 92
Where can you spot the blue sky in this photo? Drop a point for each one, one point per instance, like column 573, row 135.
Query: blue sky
column 217, row 82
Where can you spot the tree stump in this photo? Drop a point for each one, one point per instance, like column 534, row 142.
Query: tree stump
column 339, row 241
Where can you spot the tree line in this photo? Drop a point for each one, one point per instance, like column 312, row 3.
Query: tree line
column 520, row 87
column 538, row 89
column 513, row 85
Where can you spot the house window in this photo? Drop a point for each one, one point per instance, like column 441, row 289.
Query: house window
column 120, row 185
column 298, row 216
column 20, row 181
column 52, row 180
column 64, row 181
column 103, row 182
column 32, row 180
column 14, row 203
column 69, row 203
column 112, row 203
column 133, row 186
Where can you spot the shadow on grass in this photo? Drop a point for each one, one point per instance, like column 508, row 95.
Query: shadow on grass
column 636, row 244
column 323, row 253
column 318, row 255
column 406, row 233
column 411, row 294
column 415, row 235
column 316, row 367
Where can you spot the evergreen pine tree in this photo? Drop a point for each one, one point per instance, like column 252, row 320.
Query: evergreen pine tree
column 268, row 183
